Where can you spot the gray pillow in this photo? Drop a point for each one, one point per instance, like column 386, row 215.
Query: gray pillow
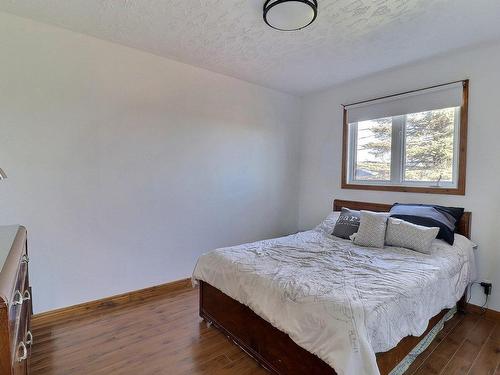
column 347, row 223
column 411, row 236
column 372, row 228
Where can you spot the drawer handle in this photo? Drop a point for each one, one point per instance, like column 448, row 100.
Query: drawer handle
column 29, row 338
column 22, row 352
column 25, row 259
column 27, row 295
column 18, row 298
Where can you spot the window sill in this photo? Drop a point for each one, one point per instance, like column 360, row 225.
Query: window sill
column 408, row 189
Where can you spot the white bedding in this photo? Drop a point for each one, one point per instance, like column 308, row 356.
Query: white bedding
column 337, row 300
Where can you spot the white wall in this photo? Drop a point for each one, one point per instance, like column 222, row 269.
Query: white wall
column 322, row 141
column 125, row 166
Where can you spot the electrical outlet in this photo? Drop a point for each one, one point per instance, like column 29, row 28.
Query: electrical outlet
column 486, row 287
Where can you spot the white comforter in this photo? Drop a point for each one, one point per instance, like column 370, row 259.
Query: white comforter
column 337, row 300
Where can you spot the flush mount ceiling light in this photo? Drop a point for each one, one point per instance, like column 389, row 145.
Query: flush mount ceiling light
column 290, row 15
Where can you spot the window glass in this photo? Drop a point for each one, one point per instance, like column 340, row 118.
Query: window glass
column 373, row 150
column 429, row 146
column 413, row 149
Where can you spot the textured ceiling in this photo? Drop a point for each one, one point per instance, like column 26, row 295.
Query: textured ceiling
column 350, row 38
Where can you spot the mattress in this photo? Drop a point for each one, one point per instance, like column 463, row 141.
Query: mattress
column 337, row 300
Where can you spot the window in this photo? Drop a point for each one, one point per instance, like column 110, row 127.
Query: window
column 414, row 141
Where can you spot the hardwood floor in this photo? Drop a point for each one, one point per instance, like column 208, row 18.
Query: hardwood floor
column 164, row 335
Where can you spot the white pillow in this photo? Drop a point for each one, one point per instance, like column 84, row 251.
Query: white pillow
column 328, row 223
column 371, row 230
column 411, row 236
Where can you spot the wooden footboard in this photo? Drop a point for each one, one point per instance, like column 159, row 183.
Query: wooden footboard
column 274, row 349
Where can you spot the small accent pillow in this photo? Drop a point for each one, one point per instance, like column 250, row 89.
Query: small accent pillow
column 347, row 224
column 371, row 232
column 411, row 236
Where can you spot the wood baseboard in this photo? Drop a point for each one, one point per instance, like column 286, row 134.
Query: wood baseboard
column 488, row 313
column 76, row 311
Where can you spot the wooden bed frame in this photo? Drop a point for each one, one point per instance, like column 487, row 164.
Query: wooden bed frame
column 274, row 349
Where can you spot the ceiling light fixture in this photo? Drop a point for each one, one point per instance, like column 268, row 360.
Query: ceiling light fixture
column 290, row 15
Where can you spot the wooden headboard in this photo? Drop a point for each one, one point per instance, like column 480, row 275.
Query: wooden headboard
column 463, row 226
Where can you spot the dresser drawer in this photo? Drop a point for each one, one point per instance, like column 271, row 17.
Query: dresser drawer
column 24, row 339
column 19, row 311
column 15, row 295
column 19, row 293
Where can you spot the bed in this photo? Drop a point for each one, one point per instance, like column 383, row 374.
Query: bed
column 294, row 306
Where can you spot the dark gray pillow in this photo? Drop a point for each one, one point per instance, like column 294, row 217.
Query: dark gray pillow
column 347, row 224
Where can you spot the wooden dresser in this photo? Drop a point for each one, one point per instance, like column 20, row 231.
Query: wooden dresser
column 15, row 302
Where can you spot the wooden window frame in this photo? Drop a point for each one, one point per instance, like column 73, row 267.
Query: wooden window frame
column 462, row 153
